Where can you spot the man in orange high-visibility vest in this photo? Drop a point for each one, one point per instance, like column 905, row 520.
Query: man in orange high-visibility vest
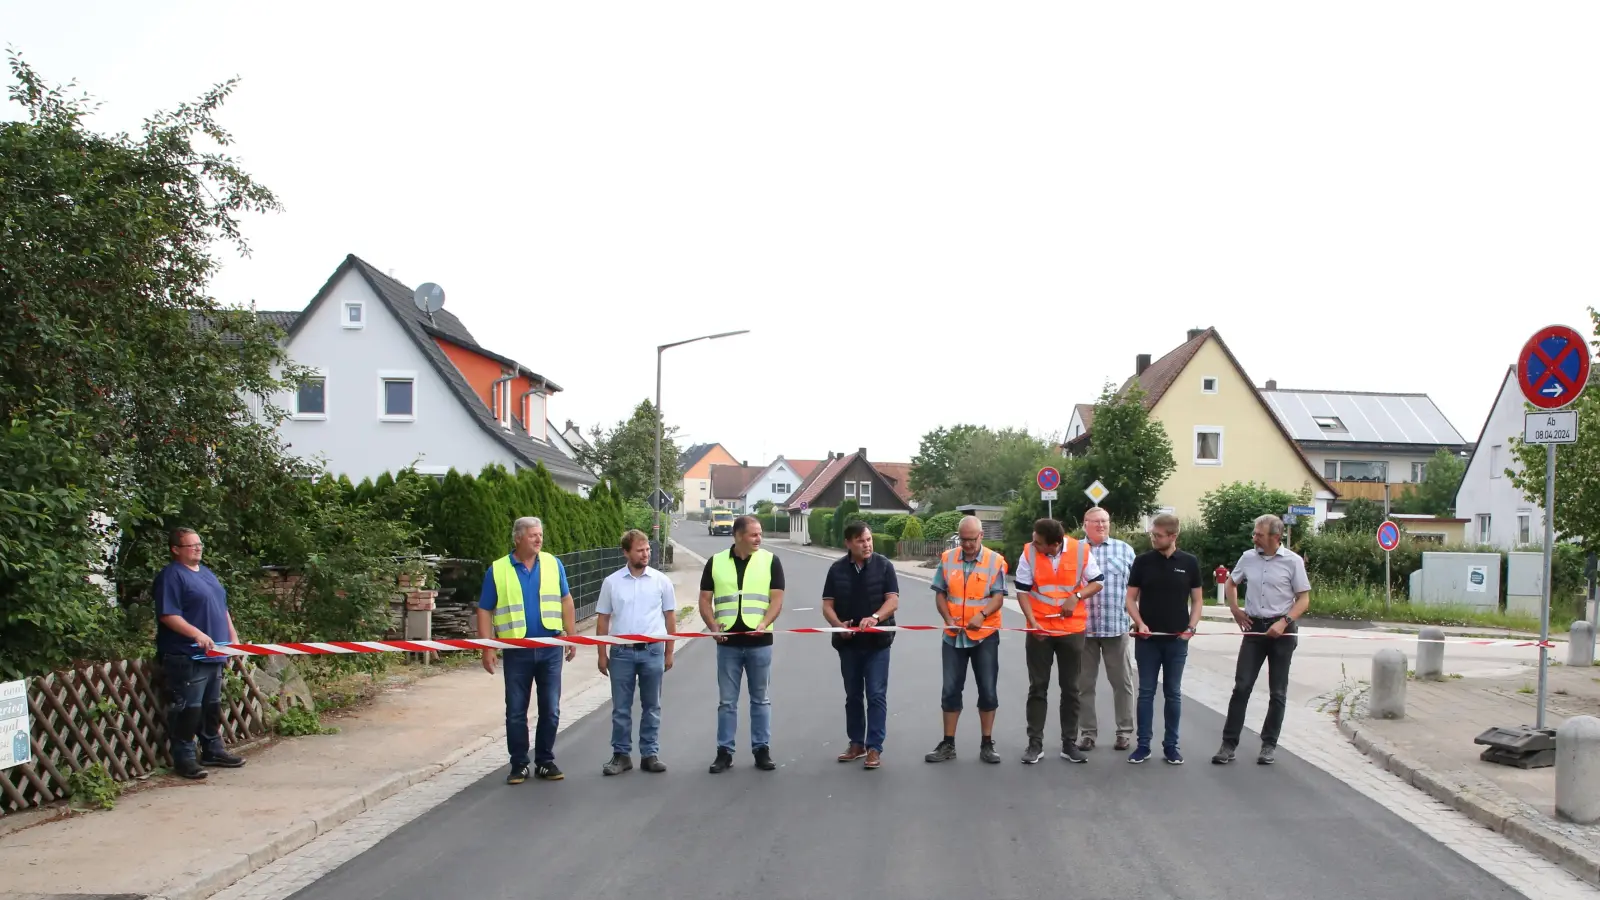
column 969, row 588
column 1055, row 575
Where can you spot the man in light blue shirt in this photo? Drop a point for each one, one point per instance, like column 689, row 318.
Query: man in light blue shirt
column 1106, row 637
column 636, row 600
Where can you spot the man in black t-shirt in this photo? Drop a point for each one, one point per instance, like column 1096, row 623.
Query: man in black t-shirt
column 862, row 591
column 1165, row 599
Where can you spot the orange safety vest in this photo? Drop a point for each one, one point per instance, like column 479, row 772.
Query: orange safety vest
column 966, row 594
column 1053, row 584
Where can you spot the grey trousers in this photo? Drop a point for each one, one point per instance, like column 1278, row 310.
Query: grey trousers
column 1119, row 671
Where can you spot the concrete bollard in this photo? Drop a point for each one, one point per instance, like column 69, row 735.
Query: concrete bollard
column 1388, row 698
column 1580, row 646
column 1578, row 770
column 1430, row 654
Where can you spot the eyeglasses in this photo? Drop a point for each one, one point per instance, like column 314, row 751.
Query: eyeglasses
column 195, row 546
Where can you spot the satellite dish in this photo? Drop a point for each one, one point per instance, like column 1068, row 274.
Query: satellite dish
column 429, row 298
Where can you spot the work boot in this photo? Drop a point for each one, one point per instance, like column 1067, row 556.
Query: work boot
column 946, row 750
column 222, row 759
column 620, row 762
column 1033, row 754
column 855, row 752
column 1122, row 743
column 1224, row 755
column 764, row 759
column 652, row 764
column 723, row 762
column 1086, row 743
column 986, row 751
column 1266, row 758
column 186, row 767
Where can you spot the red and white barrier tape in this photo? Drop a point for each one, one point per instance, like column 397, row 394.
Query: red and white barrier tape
column 441, row 645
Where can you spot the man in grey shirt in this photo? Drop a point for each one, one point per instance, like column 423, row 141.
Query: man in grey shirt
column 1277, row 594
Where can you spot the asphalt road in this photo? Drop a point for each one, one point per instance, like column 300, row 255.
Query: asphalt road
column 961, row 829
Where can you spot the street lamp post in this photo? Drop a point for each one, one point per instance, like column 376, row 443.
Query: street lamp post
column 656, row 528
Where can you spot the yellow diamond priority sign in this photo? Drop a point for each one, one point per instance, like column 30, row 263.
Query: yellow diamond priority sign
column 1097, row 492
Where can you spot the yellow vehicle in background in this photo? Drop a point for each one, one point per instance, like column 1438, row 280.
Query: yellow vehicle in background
column 720, row 522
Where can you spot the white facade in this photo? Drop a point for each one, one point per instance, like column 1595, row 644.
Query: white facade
column 1361, row 465
column 1496, row 511
column 352, row 434
column 778, row 483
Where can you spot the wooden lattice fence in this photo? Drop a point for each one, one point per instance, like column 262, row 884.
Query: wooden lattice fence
column 114, row 714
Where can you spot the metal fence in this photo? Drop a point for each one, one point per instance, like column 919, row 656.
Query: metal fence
column 586, row 569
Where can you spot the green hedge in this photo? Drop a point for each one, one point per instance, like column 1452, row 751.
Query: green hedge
column 941, row 526
column 912, row 530
column 820, row 525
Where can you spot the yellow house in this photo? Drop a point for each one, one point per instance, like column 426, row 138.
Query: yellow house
column 696, row 463
column 1220, row 426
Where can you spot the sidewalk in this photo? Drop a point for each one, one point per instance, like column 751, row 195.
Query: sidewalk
column 186, row 840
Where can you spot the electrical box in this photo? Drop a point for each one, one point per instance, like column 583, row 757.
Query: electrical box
column 1460, row 579
column 1525, row 583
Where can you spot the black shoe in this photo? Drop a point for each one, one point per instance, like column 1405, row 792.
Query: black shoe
column 188, row 768
column 987, row 753
column 620, row 762
column 723, row 762
column 222, row 759
column 764, row 759
column 1223, row 755
column 652, row 764
column 1071, row 753
column 518, row 775
column 548, row 771
column 945, row 751
column 1265, row 758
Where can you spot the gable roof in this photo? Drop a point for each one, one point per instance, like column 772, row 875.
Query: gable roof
column 803, row 467
column 688, row 458
column 899, row 477
column 1367, row 418
column 283, row 318
column 830, row 471
column 732, row 481
column 1085, row 413
column 421, row 328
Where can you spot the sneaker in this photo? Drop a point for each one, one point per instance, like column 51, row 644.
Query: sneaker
column 945, row 751
column 1174, row 758
column 987, row 753
column 1139, row 755
column 518, row 775
column 764, row 759
column 1123, row 742
column 855, row 752
column 1266, row 758
column 1086, row 743
column 723, row 762
column 1073, row 754
column 620, row 762
column 188, row 768
column 1223, row 755
column 1033, row 754
column 874, row 760
column 548, row 771
column 221, row 758
column 652, row 764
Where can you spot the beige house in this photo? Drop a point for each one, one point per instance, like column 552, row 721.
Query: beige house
column 1221, row 428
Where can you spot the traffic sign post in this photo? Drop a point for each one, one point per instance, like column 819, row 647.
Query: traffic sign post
column 1388, row 539
column 1049, row 479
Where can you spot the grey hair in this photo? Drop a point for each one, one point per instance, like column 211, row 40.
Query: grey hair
column 973, row 519
column 523, row 524
column 1273, row 523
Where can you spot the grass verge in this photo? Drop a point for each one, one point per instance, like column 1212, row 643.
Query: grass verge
column 1359, row 604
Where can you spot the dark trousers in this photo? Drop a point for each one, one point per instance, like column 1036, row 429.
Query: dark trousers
column 984, row 656
column 194, row 704
column 1065, row 651
column 865, row 667
column 1253, row 651
column 525, row 669
column 1162, row 657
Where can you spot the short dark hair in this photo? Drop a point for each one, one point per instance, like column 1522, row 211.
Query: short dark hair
column 855, row 529
column 1167, row 522
column 743, row 523
column 1050, row 530
column 632, row 536
column 175, row 539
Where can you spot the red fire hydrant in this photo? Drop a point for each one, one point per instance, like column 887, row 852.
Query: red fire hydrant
column 1222, row 579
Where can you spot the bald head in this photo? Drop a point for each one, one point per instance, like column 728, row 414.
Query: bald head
column 970, row 527
column 971, row 534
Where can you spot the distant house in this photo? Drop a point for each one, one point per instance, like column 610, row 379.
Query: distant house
column 1222, row 429
column 1082, row 417
column 394, row 386
column 1363, row 442
column 1497, row 512
column 842, row 477
column 777, row 483
column 695, row 467
column 728, row 484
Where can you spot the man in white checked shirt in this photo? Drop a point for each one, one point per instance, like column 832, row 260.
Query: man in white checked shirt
column 1107, row 635
column 636, row 599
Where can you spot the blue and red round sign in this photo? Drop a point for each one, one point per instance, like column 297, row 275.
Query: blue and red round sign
column 1049, row 479
column 1388, row 536
column 1553, row 367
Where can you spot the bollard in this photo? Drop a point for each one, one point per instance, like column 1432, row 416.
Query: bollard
column 1578, row 770
column 1388, row 698
column 1580, row 645
column 1430, row 654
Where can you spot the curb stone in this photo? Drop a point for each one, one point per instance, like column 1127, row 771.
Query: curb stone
column 1530, row 833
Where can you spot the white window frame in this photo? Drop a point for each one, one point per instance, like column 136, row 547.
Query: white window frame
column 1194, row 446
column 849, row 490
column 397, row 375
column 436, row 472
column 1524, row 527
column 1419, row 472
column 1339, row 464
column 782, row 487
column 1485, row 532
column 299, row 416
column 1215, row 383
column 344, row 313
column 864, row 494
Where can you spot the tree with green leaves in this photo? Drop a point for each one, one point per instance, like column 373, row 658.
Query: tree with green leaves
column 976, row 465
column 1436, row 494
column 934, row 463
column 1129, row 453
column 1577, row 513
column 626, row 455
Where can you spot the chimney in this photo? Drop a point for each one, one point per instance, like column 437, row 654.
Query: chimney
column 1272, row 384
column 861, row 452
column 1196, row 332
column 1142, row 363
column 745, row 463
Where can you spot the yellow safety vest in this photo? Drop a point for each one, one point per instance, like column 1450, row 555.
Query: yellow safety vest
column 732, row 603
column 509, row 619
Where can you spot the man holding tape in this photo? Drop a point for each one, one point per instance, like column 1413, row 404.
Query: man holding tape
column 1164, row 596
column 969, row 588
column 191, row 618
column 741, row 595
column 636, row 599
column 862, row 591
column 1055, row 576
column 528, row 579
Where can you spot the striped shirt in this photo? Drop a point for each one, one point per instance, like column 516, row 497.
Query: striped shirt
column 1108, row 612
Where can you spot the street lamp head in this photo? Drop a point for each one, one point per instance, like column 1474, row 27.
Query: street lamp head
column 703, row 337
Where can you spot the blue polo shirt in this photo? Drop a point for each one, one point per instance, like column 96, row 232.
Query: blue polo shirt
column 529, row 579
column 197, row 596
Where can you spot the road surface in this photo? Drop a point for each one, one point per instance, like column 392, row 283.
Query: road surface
column 962, row 829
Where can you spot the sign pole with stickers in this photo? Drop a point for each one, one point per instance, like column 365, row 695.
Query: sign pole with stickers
column 1049, row 479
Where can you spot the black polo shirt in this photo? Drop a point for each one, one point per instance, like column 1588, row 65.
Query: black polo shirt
column 859, row 592
column 709, row 584
column 1165, row 584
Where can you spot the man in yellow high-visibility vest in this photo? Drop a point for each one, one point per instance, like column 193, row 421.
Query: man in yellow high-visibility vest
column 741, row 595
column 515, row 587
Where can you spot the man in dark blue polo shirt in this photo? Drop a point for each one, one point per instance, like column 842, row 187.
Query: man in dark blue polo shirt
column 192, row 618
column 862, row 591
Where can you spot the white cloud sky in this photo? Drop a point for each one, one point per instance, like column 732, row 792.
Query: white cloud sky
column 925, row 212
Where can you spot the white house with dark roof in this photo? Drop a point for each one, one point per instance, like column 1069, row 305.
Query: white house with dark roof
column 1496, row 511
column 394, row 386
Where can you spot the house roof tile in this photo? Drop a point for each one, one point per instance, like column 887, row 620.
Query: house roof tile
column 732, row 481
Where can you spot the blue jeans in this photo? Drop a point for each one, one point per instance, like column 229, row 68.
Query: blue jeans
column 1164, row 656
column 194, row 704
column 641, row 665
column 524, row 668
column 985, row 659
column 756, row 665
column 866, row 674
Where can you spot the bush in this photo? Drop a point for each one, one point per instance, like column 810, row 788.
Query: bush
column 894, row 526
column 941, row 526
column 1229, row 513
column 886, row 546
column 912, row 530
column 821, row 527
column 848, row 511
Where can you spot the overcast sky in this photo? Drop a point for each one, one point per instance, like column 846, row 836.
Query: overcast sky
column 924, row 212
